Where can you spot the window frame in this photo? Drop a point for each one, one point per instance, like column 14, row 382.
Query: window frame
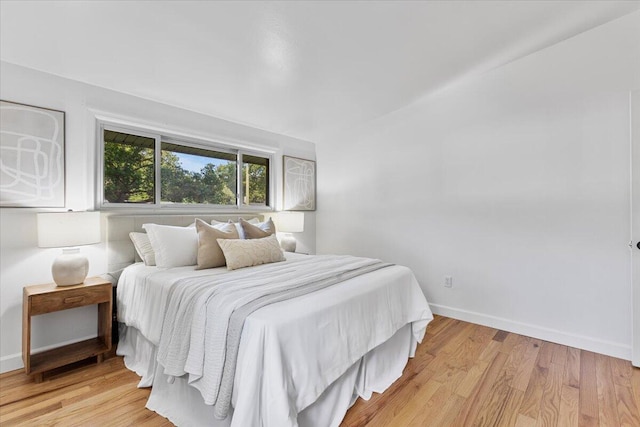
column 160, row 136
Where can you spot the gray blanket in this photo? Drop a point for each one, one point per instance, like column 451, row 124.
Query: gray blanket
column 205, row 316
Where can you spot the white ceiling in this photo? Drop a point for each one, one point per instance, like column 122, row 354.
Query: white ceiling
column 297, row 68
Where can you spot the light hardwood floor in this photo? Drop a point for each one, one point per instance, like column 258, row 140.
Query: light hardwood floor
column 462, row 375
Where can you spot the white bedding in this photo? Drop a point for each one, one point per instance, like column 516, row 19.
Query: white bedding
column 290, row 351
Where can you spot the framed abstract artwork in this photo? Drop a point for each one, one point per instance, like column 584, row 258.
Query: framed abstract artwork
column 31, row 156
column 299, row 184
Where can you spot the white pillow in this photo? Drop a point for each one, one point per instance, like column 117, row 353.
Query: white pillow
column 254, row 221
column 246, row 253
column 257, row 231
column 173, row 246
column 143, row 247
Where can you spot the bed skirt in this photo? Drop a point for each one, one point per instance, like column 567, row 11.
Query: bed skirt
column 183, row 404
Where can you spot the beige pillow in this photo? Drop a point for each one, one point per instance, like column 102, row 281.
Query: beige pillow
column 258, row 231
column 209, row 253
column 143, row 247
column 246, row 253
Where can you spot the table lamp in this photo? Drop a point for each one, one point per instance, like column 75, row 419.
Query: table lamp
column 67, row 230
column 289, row 222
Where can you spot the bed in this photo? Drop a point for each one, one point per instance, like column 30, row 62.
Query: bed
column 300, row 361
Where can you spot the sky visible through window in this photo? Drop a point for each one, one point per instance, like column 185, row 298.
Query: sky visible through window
column 194, row 163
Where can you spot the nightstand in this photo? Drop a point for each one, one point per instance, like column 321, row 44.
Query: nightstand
column 49, row 298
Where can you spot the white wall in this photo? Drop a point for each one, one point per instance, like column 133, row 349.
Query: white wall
column 516, row 183
column 22, row 263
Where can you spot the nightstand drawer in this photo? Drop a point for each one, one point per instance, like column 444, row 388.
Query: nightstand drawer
column 72, row 298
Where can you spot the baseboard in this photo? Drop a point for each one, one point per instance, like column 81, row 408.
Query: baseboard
column 12, row 362
column 553, row 335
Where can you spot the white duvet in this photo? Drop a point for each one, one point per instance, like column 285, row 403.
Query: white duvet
column 293, row 350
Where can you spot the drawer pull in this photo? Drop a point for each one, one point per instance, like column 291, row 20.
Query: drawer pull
column 71, row 300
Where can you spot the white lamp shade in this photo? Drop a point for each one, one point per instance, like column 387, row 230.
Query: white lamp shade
column 290, row 222
column 64, row 229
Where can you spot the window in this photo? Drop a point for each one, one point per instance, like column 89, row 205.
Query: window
column 255, row 180
column 141, row 168
column 129, row 172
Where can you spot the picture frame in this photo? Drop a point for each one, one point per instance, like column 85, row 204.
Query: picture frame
column 32, row 156
column 299, row 184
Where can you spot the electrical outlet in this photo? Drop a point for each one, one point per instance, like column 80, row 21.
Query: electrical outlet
column 448, row 281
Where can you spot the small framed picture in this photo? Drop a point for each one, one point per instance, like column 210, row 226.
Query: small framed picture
column 299, row 184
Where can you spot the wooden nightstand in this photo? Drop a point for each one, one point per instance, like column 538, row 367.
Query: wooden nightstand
column 48, row 298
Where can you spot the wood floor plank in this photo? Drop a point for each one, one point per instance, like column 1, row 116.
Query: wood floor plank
column 466, row 354
column 559, row 356
column 452, row 344
column 450, row 360
column 607, row 401
column 120, row 416
column 152, row 421
column 572, row 368
column 621, row 370
column 568, row 416
column 383, row 407
column 587, row 421
column 77, row 413
column 550, row 403
column 509, row 342
column 26, row 410
column 416, row 405
column 476, row 372
column 524, row 421
column 437, row 407
column 628, row 412
column 420, row 362
column 437, row 324
column 29, row 387
column 635, row 385
column 588, row 403
column 470, row 381
column 545, row 354
column 523, row 372
column 530, row 406
column 509, row 416
column 476, row 400
column 450, row 412
column 495, row 403
column 500, row 336
column 434, row 343
column 70, row 391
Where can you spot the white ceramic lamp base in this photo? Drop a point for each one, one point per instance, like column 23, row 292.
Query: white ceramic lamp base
column 70, row 268
column 288, row 243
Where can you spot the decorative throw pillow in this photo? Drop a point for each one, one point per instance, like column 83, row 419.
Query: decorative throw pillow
column 257, row 231
column 209, row 253
column 246, row 253
column 237, row 224
column 173, row 246
column 143, row 247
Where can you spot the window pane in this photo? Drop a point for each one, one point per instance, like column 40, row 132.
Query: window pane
column 129, row 175
column 255, row 180
column 196, row 175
